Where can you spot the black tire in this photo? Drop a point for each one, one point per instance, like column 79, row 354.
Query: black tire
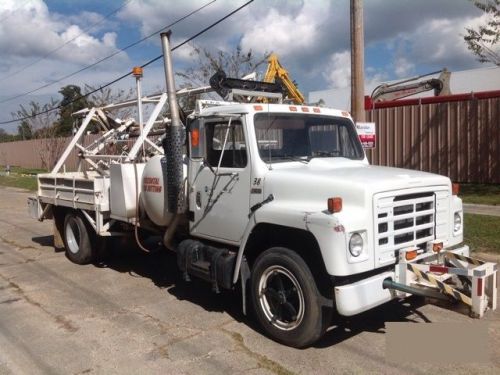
column 286, row 300
column 78, row 239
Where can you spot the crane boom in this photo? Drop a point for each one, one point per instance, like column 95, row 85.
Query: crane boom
column 277, row 73
column 402, row 89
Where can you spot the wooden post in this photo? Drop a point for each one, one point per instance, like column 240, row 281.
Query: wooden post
column 357, row 62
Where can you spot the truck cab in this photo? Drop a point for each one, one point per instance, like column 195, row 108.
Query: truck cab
column 278, row 181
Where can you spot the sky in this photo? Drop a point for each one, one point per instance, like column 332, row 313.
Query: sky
column 311, row 37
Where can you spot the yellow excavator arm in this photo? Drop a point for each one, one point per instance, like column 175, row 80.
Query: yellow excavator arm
column 275, row 70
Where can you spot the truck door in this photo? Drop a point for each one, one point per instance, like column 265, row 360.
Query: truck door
column 220, row 184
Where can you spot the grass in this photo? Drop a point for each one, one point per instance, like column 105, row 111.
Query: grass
column 19, row 181
column 480, row 193
column 481, row 233
column 23, row 171
column 19, row 177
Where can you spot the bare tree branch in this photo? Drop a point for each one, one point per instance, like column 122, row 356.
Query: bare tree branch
column 483, row 41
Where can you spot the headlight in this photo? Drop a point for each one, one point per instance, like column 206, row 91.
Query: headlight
column 457, row 222
column 356, row 244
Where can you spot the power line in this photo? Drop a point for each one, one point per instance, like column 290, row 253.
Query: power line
column 67, row 42
column 107, row 57
column 129, row 73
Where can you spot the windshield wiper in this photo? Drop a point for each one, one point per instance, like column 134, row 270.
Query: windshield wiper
column 320, row 153
column 293, row 158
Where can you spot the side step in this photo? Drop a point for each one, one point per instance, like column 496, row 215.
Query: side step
column 452, row 273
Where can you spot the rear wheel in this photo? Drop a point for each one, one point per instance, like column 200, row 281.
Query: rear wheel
column 286, row 301
column 77, row 239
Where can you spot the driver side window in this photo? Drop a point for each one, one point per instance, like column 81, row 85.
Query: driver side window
column 234, row 154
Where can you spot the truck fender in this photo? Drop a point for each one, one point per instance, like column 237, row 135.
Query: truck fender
column 270, row 214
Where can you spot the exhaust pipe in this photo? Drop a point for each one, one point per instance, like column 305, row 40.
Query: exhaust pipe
column 174, row 135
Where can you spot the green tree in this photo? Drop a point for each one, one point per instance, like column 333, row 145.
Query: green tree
column 24, row 130
column 6, row 137
column 483, row 41
column 71, row 102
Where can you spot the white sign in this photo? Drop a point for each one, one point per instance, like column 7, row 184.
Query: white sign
column 366, row 133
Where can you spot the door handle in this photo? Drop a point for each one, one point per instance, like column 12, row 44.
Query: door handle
column 198, row 199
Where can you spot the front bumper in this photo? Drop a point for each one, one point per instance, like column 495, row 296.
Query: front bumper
column 368, row 293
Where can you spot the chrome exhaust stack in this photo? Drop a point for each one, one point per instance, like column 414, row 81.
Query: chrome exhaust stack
column 174, row 135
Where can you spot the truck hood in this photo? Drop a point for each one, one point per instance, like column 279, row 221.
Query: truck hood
column 354, row 181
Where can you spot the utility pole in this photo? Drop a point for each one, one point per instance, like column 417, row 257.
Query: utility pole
column 357, row 62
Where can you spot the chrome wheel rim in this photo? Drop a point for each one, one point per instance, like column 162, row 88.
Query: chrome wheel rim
column 281, row 298
column 73, row 235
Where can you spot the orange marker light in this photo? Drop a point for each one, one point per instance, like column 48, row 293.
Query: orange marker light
column 195, row 138
column 345, row 114
column 305, row 109
column 411, row 254
column 316, row 110
column 257, row 107
column 293, row 108
column 334, row 204
column 455, row 189
column 137, row 71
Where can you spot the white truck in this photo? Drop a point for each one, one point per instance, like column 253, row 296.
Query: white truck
column 276, row 199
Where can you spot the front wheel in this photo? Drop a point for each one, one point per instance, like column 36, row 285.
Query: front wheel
column 286, row 300
column 77, row 239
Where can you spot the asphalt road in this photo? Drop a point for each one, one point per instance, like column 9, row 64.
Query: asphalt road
column 134, row 315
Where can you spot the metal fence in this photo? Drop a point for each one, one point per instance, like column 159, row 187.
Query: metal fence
column 458, row 139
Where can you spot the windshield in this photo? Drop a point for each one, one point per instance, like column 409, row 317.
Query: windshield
column 283, row 137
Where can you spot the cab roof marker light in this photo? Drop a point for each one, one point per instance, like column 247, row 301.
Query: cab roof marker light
column 258, row 108
column 293, row 108
column 305, row 109
column 316, row 110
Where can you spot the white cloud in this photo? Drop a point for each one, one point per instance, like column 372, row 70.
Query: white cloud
column 286, row 34
column 403, row 67
column 30, row 31
column 338, row 70
column 440, row 42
